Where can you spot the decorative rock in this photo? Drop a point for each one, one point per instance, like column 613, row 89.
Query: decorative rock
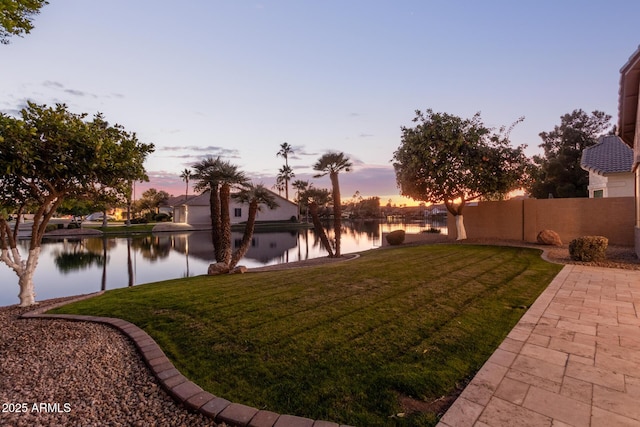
column 218, row 268
column 395, row 237
column 549, row 237
column 241, row 269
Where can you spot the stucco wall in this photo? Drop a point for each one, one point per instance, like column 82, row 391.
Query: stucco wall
column 523, row 219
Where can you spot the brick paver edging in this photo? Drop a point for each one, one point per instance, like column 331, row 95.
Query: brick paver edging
column 177, row 385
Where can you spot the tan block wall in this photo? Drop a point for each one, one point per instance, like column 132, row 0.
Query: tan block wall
column 613, row 218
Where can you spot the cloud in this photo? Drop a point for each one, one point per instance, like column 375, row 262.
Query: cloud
column 197, row 153
column 75, row 92
column 365, row 135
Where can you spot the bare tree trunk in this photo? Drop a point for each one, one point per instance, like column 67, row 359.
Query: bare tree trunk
column 337, row 211
column 225, row 224
column 27, row 293
column 317, row 225
column 247, row 236
column 460, row 230
column 214, row 205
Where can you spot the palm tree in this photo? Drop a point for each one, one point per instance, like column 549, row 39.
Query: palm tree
column 333, row 163
column 285, row 173
column 312, row 198
column 255, row 196
column 300, row 186
column 285, row 150
column 218, row 177
column 186, row 176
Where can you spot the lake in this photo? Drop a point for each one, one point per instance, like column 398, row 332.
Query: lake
column 72, row 266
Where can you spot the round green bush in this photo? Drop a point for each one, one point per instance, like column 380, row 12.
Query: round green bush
column 588, row 248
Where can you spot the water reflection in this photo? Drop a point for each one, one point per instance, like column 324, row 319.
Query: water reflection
column 72, row 266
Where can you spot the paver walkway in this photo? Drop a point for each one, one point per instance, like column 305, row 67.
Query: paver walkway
column 572, row 360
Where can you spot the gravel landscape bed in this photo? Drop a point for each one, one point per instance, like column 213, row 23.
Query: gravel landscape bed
column 61, row 373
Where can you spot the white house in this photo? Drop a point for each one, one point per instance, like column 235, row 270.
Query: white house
column 609, row 163
column 196, row 211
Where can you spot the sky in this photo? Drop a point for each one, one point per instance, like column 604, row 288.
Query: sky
column 238, row 78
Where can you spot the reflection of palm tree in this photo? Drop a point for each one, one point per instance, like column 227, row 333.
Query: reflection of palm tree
column 255, row 196
column 333, row 164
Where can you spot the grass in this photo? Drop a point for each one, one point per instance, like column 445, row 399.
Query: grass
column 346, row 342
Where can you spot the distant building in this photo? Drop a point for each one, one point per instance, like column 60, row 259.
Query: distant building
column 609, row 164
column 196, row 211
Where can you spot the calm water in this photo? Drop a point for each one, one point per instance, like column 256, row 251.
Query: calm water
column 75, row 266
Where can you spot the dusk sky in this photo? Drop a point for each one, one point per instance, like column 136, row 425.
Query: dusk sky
column 238, row 78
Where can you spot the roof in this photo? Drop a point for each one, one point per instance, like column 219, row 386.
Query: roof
column 609, row 155
column 628, row 98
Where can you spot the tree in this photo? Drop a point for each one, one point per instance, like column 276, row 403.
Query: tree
column 16, row 16
column 445, row 158
column 300, row 186
column 49, row 155
column 219, row 177
column 313, row 198
column 186, row 176
column 558, row 173
column 152, row 199
column 255, row 196
column 332, row 164
column 286, row 172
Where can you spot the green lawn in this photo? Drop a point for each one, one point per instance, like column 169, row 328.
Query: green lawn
column 343, row 342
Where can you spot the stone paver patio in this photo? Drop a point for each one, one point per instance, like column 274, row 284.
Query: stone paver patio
column 572, row 360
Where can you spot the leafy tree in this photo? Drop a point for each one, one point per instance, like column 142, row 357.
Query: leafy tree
column 558, row 173
column 332, row 164
column 151, row 200
column 16, row 16
column 49, row 155
column 255, row 196
column 286, row 173
column 445, row 158
column 219, row 177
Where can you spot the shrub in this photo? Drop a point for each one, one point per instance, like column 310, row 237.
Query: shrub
column 162, row 217
column 50, row 227
column 139, row 221
column 73, row 225
column 432, row 230
column 588, row 248
column 395, row 237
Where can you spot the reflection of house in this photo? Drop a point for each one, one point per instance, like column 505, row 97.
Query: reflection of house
column 264, row 246
column 196, row 211
column 628, row 128
column 609, row 165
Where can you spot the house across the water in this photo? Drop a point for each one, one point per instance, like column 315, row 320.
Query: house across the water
column 196, row 211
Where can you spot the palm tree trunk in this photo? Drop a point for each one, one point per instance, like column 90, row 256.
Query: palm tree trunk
column 317, row 225
column 214, row 205
column 247, row 236
column 225, row 224
column 337, row 211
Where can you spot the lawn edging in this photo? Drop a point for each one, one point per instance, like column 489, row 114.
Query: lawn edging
column 177, row 385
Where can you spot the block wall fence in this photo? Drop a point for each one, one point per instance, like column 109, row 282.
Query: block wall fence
column 522, row 220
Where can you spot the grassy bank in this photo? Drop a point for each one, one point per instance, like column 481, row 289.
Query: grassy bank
column 356, row 342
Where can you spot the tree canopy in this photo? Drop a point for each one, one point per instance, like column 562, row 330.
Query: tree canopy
column 50, row 155
column 16, row 17
column 558, row 173
column 445, row 158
